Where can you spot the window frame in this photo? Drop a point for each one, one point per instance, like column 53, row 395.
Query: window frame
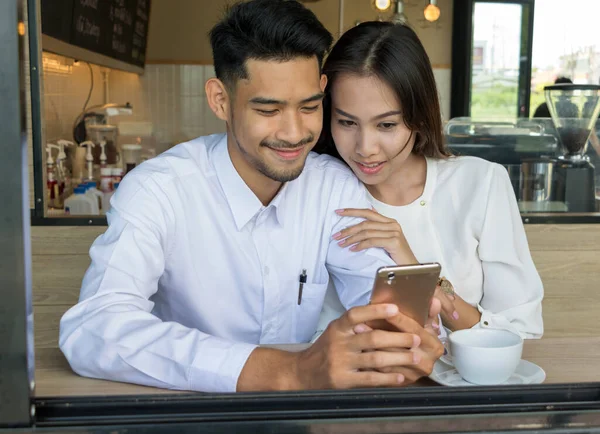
column 16, row 364
column 462, row 55
column 474, row 408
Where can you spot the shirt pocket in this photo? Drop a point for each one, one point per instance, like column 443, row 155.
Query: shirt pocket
column 307, row 313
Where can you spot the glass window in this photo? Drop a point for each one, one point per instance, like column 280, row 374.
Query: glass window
column 495, row 62
column 565, row 44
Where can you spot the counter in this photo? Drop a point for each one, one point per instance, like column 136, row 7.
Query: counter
column 565, row 360
column 527, row 218
column 567, row 257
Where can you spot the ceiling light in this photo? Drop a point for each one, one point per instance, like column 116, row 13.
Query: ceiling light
column 432, row 11
column 382, row 5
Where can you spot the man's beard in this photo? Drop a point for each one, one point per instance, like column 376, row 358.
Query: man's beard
column 279, row 175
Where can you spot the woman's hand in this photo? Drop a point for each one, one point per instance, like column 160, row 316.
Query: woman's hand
column 456, row 313
column 386, row 233
column 375, row 231
column 449, row 312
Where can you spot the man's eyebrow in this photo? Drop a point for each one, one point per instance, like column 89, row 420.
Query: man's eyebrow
column 316, row 97
column 266, row 101
column 272, row 101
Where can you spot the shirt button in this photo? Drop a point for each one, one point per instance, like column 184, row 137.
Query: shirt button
column 485, row 323
column 423, row 203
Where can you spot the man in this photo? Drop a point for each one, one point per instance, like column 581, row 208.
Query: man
column 542, row 111
column 225, row 243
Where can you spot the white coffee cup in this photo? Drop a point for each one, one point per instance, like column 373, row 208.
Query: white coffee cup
column 485, row 356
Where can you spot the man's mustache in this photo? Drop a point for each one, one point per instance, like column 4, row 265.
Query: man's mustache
column 287, row 145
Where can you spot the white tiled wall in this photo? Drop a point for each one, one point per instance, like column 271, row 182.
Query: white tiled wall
column 170, row 96
column 64, row 97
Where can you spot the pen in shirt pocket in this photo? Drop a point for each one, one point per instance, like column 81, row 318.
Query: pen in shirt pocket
column 302, row 281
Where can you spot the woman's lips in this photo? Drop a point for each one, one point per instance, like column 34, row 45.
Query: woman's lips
column 370, row 169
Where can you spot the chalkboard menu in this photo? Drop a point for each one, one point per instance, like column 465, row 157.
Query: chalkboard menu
column 114, row 28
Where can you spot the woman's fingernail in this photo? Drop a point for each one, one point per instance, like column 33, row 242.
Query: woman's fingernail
column 354, row 248
column 341, row 243
column 455, row 315
column 337, row 236
column 416, row 358
column 400, row 378
column 339, row 211
column 435, row 325
column 360, row 328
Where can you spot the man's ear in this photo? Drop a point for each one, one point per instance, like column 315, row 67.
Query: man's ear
column 323, row 82
column 218, row 98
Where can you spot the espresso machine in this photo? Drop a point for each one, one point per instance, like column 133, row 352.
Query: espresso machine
column 574, row 109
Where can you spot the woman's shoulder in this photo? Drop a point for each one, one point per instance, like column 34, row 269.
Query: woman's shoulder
column 466, row 173
column 464, row 186
column 465, row 165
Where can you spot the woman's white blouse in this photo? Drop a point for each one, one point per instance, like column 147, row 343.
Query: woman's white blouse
column 468, row 220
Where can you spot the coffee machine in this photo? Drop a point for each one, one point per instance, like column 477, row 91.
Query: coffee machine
column 574, row 109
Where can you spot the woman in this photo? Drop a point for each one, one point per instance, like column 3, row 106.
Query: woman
column 383, row 119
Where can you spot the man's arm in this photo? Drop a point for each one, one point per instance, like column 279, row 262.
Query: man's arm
column 112, row 334
column 353, row 274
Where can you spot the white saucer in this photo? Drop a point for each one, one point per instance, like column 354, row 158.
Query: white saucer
column 526, row 373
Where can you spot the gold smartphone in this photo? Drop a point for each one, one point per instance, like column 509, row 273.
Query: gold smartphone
column 410, row 287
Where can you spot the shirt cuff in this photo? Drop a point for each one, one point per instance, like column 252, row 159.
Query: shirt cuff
column 218, row 371
column 490, row 320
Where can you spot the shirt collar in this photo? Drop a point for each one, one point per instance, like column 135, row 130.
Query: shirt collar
column 242, row 201
column 279, row 201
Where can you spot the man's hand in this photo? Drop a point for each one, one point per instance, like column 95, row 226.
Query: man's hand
column 342, row 358
column 349, row 354
column 427, row 353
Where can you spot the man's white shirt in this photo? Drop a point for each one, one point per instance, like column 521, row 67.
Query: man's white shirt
column 194, row 272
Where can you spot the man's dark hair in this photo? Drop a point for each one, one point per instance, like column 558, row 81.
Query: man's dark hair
column 265, row 30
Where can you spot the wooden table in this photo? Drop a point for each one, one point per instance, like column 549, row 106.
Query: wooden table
column 565, row 360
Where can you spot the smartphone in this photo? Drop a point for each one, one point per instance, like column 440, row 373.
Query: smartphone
column 410, row 287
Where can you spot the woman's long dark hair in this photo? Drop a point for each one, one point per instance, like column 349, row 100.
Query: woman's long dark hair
column 394, row 54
